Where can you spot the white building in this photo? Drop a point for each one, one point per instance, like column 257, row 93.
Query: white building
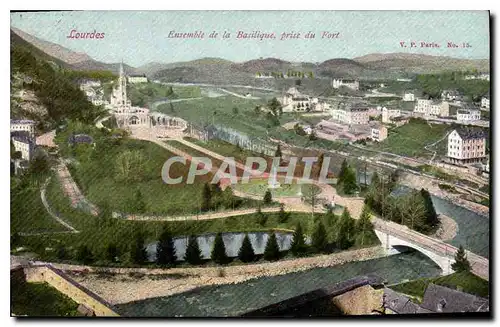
column 485, row 102
column 388, row 114
column 23, row 125
column 409, row 97
column 379, row 133
column 430, row 108
column 468, row 115
column 121, row 107
column 134, row 79
column 294, row 101
column 403, row 80
column 466, row 146
column 25, row 145
column 352, row 114
column 482, row 76
column 352, row 84
column 451, row 95
column 322, row 106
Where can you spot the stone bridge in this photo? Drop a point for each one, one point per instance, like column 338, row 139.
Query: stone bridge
column 396, row 238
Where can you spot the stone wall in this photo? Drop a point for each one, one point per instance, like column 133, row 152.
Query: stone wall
column 69, row 287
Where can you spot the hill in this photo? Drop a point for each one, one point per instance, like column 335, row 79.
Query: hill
column 53, row 49
column 64, row 57
column 20, row 43
column 419, row 63
column 41, row 90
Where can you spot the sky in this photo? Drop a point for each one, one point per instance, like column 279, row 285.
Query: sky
column 140, row 37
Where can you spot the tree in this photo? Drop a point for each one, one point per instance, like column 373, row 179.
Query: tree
column 62, row 253
column 278, row 153
column 138, row 253
column 349, row 181
column 364, row 226
column 272, row 250
column 139, row 203
column 343, row 169
column 275, row 106
column 165, row 249
column 206, row 199
column 261, row 217
column 193, row 252
column 312, row 136
column 461, row 263
column 112, row 252
column 84, row 254
column 256, row 110
column 246, row 252
column 282, row 215
column 320, row 238
column 227, row 200
column 298, row 82
column 15, row 239
column 298, row 246
column 235, row 110
column 218, row 254
column 345, row 233
column 375, row 180
column 431, row 217
column 268, row 197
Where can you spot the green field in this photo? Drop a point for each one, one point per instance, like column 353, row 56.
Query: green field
column 260, row 186
column 27, row 213
column 40, row 299
column 410, row 139
column 225, row 149
column 135, row 166
column 219, row 111
column 464, row 281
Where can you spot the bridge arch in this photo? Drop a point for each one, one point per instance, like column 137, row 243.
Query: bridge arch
column 394, row 245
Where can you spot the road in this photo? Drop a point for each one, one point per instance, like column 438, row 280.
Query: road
column 238, row 95
column 218, row 85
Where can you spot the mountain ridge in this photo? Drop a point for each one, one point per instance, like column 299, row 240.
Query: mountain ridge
column 371, row 65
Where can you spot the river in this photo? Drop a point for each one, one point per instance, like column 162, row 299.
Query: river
column 232, row 300
column 473, row 228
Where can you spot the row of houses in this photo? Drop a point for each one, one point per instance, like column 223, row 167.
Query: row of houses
column 295, row 101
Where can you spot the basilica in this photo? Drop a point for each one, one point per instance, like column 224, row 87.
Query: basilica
column 120, row 106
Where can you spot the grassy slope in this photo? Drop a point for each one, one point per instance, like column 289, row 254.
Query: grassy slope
column 98, row 181
column 40, row 299
column 202, row 112
column 98, row 233
column 28, row 215
column 468, row 282
column 410, row 139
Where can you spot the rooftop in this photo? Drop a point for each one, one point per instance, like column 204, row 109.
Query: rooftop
column 22, row 121
column 22, row 139
column 470, row 134
column 400, row 303
column 443, row 299
column 80, row 138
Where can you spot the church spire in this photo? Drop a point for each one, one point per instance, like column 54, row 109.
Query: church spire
column 121, row 68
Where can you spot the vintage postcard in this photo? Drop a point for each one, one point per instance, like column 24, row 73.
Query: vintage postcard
column 250, row 163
